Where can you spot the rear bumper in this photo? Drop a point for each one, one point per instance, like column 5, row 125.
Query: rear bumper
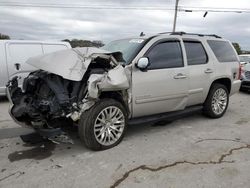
column 245, row 84
column 235, row 87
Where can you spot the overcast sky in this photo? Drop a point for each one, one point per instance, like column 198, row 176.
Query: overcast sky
column 106, row 25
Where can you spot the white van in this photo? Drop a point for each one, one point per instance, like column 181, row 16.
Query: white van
column 14, row 53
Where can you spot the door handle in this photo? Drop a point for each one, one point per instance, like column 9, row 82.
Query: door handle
column 208, row 70
column 180, row 76
column 18, row 66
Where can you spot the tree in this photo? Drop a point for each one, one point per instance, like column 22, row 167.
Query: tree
column 84, row 43
column 4, row 37
column 237, row 47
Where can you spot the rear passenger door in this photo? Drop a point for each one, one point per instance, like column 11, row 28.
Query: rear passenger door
column 163, row 87
column 200, row 70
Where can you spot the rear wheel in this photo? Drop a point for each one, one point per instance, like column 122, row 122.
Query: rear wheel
column 217, row 101
column 104, row 125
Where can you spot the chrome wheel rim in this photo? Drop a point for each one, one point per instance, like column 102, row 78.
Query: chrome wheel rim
column 219, row 101
column 109, row 125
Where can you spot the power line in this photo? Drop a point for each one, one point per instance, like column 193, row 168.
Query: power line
column 216, row 8
column 213, row 9
column 79, row 6
column 102, row 7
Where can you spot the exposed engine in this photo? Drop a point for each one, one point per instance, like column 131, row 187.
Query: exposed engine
column 68, row 83
column 47, row 99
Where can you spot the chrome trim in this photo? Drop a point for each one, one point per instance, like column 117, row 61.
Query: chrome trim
column 219, row 101
column 160, row 98
column 109, row 125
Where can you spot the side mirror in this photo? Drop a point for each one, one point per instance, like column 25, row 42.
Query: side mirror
column 142, row 63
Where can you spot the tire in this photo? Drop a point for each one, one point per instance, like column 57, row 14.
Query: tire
column 90, row 125
column 209, row 107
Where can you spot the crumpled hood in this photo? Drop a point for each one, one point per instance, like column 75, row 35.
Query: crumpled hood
column 72, row 63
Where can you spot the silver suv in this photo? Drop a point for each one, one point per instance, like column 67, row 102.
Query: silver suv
column 128, row 81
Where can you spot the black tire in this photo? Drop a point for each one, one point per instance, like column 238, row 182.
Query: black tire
column 87, row 121
column 207, row 106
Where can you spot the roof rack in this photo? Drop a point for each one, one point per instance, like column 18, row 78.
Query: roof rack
column 184, row 33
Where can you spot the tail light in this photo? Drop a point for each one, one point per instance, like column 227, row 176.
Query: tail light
column 240, row 71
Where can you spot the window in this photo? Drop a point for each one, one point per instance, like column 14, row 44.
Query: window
column 165, row 55
column 195, row 53
column 128, row 47
column 20, row 52
column 244, row 58
column 223, row 51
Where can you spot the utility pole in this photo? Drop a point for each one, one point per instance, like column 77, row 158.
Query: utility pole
column 175, row 14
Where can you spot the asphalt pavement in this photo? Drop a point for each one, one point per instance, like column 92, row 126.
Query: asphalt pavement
column 190, row 152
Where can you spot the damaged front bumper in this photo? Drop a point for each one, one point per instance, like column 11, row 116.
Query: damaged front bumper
column 50, row 98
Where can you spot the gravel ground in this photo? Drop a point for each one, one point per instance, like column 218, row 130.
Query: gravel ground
column 189, row 152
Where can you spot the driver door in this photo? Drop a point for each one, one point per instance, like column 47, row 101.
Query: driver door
column 163, row 86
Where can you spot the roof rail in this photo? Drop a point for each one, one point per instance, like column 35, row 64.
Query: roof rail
column 184, row 33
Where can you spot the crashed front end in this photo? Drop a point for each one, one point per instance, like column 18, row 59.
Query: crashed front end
column 67, row 83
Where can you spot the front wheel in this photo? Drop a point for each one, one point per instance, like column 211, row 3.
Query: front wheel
column 104, row 125
column 217, row 101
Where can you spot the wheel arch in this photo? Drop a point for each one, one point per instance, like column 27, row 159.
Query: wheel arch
column 207, row 105
column 116, row 95
column 224, row 81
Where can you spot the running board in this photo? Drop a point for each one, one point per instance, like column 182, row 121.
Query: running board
column 165, row 116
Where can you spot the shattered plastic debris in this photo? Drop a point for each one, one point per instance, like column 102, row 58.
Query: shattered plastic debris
column 63, row 138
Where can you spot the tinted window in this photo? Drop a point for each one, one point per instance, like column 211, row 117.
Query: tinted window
column 223, row 51
column 165, row 55
column 195, row 53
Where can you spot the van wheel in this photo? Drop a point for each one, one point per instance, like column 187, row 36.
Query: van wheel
column 104, row 125
column 217, row 101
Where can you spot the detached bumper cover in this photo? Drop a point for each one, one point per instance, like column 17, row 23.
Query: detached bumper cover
column 10, row 89
column 245, row 84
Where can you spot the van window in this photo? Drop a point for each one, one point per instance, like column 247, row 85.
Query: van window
column 165, row 55
column 49, row 48
column 223, row 51
column 195, row 53
column 19, row 53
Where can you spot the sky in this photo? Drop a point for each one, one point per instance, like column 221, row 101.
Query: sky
column 110, row 24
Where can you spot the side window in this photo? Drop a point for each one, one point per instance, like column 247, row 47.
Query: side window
column 222, row 50
column 165, row 55
column 20, row 52
column 196, row 53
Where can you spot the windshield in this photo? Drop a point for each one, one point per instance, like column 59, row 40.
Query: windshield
column 245, row 58
column 128, row 47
